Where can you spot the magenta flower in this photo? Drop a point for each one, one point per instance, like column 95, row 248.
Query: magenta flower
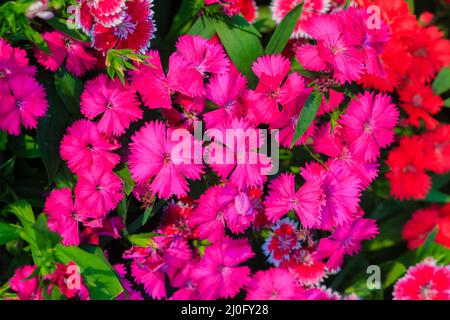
column 62, row 216
column 271, row 92
column 115, row 103
column 98, row 191
column 85, row 148
column 208, row 219
column 238, row 207
column 22, row 101
column 159, row 157
column 346, row 239
column 288, row 119
column 127, row 285
column 79, row 59
column 225, row 90
column 156, row 88
column 166, row 256
column 273, row 284
column 13, row 62
column 341, row 190
column 232, row 154
column 306, row 202
column 218, row 273
column 332, row 53
column 27, row 287
column 204, row 56
column 370, row 42
column 369, row 123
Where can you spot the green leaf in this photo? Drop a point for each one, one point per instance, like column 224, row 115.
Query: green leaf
column 23, row 211
column 187, row 12
column 24, row 146
column 436, row 196
column 425, row 250
column 50, row 131
column 441, row 83
column 411, row 5
column 128, row 182
column 395, row 271
column 307, row 115
column 60, row 24
column 99, row 276
column 3, row 140
column 243, row 47
column 447, row 103
column 283, row 32
column 143, row 240
column 69, row 89
column 8, row 232
column 203, row 27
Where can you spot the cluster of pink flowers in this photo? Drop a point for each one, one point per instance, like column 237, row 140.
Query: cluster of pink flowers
column 22, row 97
column 307, row 220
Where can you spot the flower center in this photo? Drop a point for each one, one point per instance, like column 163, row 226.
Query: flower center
column 125, row 28
column 19, row 104
column 427, row 292
column 417, row 100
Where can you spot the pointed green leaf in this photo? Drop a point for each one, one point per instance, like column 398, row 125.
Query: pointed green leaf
column 307, row 115
column 441, row 83
column 283, row 32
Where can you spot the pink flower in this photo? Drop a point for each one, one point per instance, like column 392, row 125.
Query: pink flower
column 156, row 88
column 62, row 216
column 23, row 101
column 273, row 284
column 166, row 256
column 208, row 219
column 79, row 59
column 159, row 156
column 424, row 281
column 271, row 92
column 97, row 192
column 370, row 42
column 238, row 207
column 225, row 90
column 134, row 31
column 288, row 119
column 203, row 56
column 369, row 123
column 27, row 288
column 346, row 239
column 341, row 190
column 13, row 62
column 306, row 202
column 332, row 53
column 116, row 104
column 310, row 9
column 218, row 273
column 127, row 285
column 84, row 147
column 232, row 154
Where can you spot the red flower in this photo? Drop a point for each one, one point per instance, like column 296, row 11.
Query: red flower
column 407, row 175
column 420, row 103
